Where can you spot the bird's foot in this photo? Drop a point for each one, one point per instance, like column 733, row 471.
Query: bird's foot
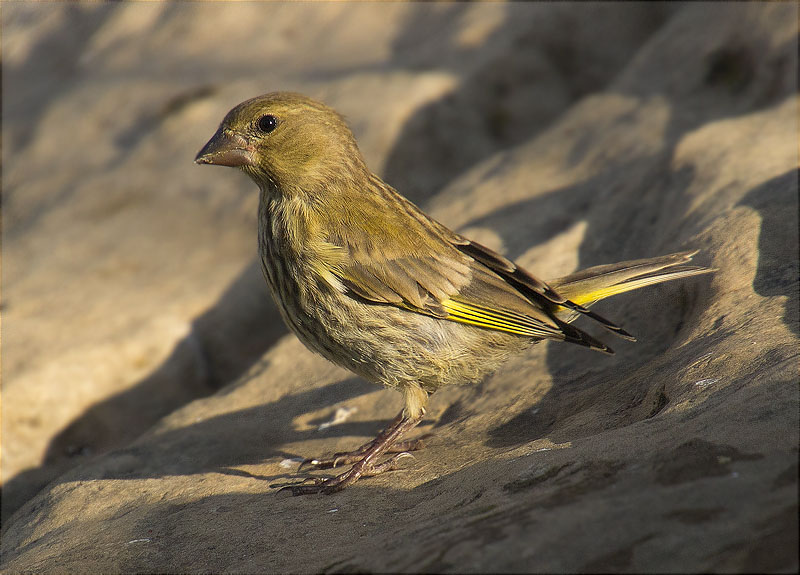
column 362, row 468
column 364, row 459
column 351, row 457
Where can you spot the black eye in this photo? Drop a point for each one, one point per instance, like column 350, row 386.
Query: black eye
column 267, row 123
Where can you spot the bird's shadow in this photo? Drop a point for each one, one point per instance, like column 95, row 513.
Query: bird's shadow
column 215, row 443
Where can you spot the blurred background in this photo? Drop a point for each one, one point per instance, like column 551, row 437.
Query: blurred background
column 129, row 280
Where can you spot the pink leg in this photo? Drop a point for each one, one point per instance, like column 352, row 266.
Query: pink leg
column 366, row 459
column 349, row 457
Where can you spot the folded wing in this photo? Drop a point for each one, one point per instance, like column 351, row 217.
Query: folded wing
column 458, row 281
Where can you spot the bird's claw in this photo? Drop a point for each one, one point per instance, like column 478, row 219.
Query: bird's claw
column 313, row 485
column 351, row 457
column 335, row 461
column 306, row 486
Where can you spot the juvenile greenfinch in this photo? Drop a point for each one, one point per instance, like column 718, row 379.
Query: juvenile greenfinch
column 367, row 280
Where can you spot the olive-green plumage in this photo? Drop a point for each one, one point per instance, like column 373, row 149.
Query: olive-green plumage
column 367, row 280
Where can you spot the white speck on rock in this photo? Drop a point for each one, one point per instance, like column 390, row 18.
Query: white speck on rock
column 342, row 414
column 706, row 382
column 291, row 462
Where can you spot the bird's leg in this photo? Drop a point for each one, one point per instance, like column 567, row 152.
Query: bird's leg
column 367, row 465
column 348, row 457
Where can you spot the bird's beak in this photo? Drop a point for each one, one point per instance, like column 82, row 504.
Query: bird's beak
column 226, row 148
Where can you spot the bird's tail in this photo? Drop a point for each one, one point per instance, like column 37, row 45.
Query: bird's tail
column 588, row 286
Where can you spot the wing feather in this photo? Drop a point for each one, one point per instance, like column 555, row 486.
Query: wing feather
column 533, row 288
column 457, row 288
column 423, row 267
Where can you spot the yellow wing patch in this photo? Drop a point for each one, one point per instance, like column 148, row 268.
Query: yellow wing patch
column 498, row 320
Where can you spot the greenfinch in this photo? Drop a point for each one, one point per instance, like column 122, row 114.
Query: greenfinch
column 366, row 279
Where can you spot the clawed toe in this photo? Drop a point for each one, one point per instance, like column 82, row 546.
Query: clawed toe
column 391, row 464
column 307, row 485
column 351, row 457
column 338, row 459
column 364, row 459
column 314, row 485
column 302, row 488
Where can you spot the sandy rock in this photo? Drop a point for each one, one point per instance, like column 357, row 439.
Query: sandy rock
column 149, row 381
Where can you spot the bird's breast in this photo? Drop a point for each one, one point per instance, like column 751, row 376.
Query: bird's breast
column 294, row 271
column 281, row 248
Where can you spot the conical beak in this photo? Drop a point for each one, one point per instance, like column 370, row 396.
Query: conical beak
column 226, row 148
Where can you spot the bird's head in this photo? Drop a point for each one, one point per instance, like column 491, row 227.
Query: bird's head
column 286, row 141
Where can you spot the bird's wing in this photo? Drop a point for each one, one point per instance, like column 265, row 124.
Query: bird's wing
column 534, row 289
column 456, row 281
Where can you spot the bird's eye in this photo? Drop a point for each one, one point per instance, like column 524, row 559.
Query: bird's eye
column 267, row 123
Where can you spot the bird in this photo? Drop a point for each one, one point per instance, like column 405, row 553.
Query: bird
column 366, row 279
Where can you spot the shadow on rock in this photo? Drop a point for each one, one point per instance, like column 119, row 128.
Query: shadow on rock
column 778, row 270
column 515, row 92
column 223, row 344
column 216, row 443
column 644, row 209
column 639, row 204
column 54, row 59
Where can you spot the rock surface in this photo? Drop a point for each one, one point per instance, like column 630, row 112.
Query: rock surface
column 152, row 397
